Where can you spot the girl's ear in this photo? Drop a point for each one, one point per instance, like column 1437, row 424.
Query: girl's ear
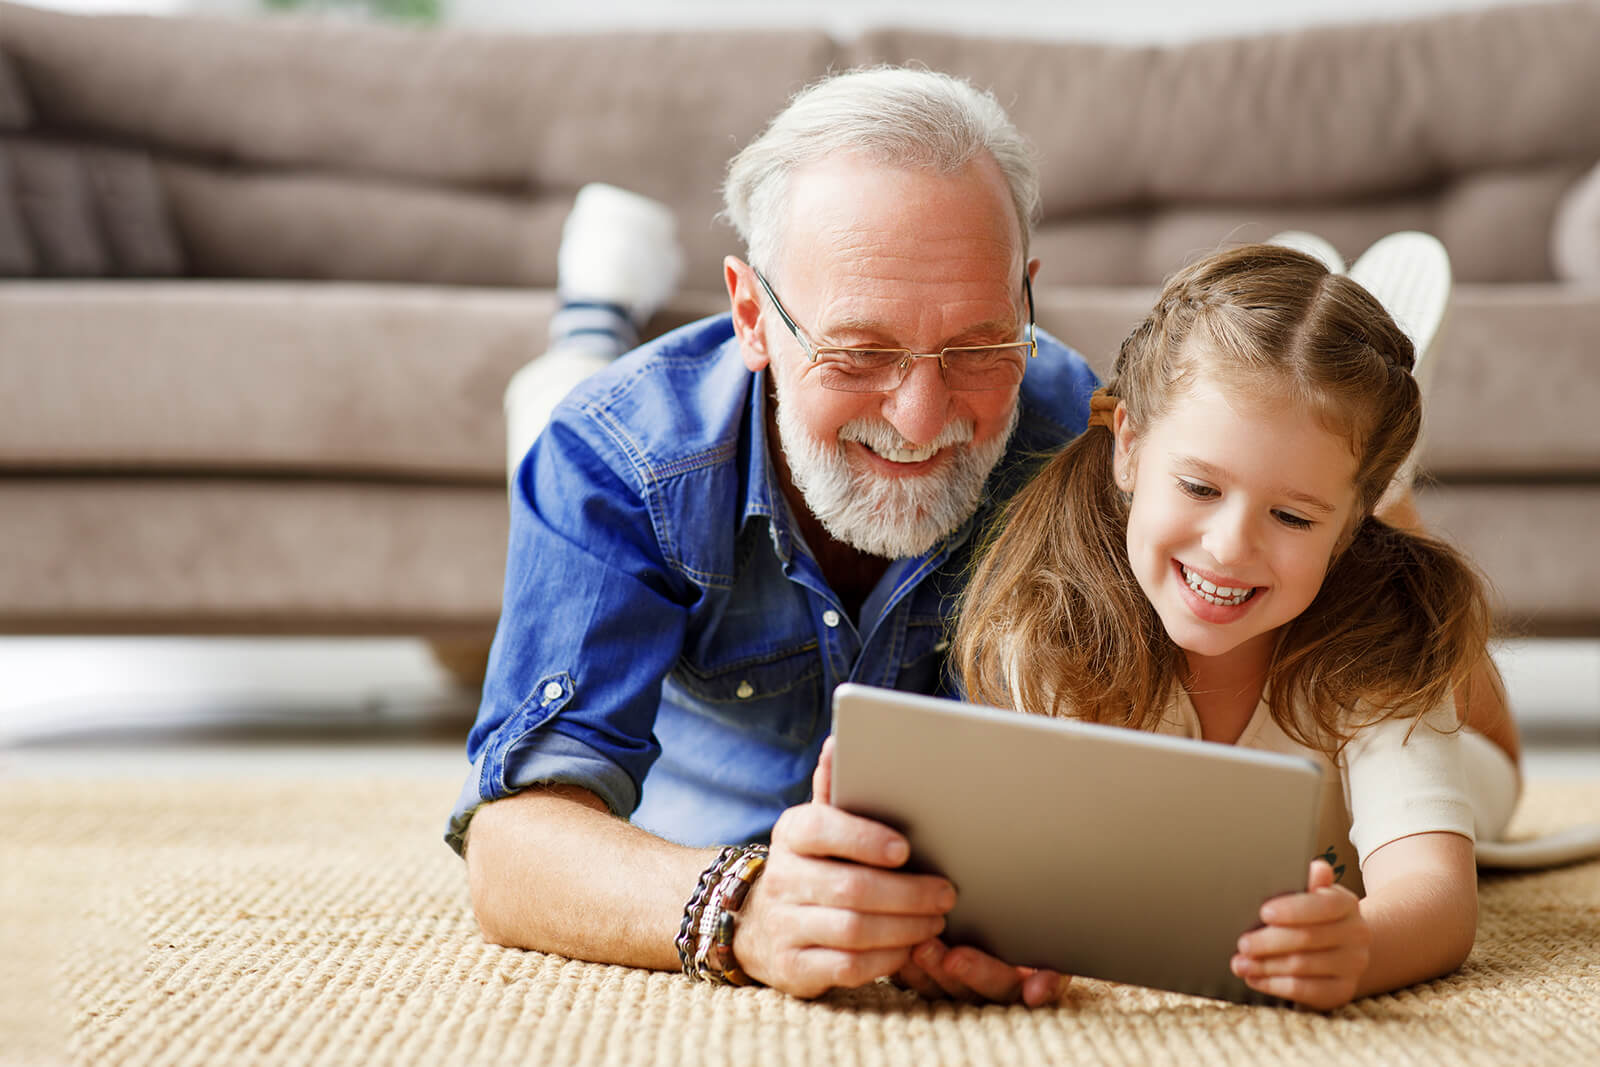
column 1122, row 461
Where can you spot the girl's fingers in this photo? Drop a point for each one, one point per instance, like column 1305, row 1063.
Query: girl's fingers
column 1323, row 994
column 1334, row 963
column 1279, row 940
column 1328, row 904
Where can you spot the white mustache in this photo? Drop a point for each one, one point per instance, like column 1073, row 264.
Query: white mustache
column 879, row 436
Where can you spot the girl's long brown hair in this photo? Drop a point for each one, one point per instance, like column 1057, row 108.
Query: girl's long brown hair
column 1053, row 620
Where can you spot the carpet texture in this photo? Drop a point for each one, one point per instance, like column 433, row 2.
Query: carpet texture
column 271, row 922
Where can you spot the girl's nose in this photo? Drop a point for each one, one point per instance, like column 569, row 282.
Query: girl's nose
column 1229, row 538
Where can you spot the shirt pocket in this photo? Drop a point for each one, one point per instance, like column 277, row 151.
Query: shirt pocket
column 776, row 696
column 924, row 656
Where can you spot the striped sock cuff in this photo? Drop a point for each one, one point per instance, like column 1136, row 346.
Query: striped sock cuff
column 593, row 326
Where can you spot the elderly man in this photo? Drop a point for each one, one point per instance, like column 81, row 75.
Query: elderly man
column 717, row 530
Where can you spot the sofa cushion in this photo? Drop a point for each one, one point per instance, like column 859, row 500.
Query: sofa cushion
column 238, row 223
column 90, row 210
column 17, row 257
column 1495, row 224
column 263, row 378
column 15, row 111
column 1329, row 112
column 658, row 112
column 131, row 554
column 1511, row 398
column 1575, row 237
column 1536, row 545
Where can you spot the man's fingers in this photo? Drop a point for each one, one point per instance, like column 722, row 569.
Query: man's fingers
column 1042, row 988
column 821, row 830
column 802, row 881
column 983, row 975
column 916, row 979
column 817, row 970
column 822, row 777
column 931, row 958
column 856, row 931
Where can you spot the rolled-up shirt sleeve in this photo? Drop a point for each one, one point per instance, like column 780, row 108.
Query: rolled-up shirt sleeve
column 591, row 621
column 1398, row 785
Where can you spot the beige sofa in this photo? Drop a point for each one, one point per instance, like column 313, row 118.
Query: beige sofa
column 265, row 281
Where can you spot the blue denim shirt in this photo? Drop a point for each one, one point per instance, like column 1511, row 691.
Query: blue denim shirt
column 666, row 640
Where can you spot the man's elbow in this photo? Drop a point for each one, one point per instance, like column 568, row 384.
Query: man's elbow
column 489, row 901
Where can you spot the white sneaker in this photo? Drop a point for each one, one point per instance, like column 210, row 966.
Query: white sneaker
column 619, row 248
column 1313, row 246
column 534, row 392
column 1409, row 273
column 1572, row 845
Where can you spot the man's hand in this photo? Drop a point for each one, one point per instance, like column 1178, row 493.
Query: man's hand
column 964, row 973
column 1314, row 948
column 831, row 911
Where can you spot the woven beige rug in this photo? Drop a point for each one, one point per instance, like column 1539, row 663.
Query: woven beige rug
column 315, row 922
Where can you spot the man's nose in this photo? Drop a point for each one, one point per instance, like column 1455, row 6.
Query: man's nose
column 920, row 408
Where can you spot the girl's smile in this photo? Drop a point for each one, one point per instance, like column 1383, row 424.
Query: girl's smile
column 1238, row 506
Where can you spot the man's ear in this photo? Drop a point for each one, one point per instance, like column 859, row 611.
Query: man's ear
column 1122, row 460
column 745, row 302
column 1033, row 269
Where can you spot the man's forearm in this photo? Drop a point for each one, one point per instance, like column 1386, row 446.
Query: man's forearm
column 554, row 870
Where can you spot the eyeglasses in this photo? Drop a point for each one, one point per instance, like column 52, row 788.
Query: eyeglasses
column 881, row 370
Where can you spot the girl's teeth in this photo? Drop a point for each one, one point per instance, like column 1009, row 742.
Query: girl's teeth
column 1223, row 595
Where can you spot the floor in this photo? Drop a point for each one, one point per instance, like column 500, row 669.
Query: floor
column 292, row 707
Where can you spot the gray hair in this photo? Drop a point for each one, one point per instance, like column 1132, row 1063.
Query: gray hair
column 892, row 115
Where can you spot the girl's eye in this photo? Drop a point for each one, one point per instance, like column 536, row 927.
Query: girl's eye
column 1197, row 490
column 1290, row 519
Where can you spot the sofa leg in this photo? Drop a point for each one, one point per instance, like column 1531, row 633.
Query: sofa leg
column 464, row 659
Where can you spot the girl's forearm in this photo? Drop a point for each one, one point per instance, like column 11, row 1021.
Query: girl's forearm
column 1422, row 924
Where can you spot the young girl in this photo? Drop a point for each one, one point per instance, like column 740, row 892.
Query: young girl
column 1204, row 560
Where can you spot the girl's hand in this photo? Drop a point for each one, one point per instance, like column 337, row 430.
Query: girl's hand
column 1314, row 948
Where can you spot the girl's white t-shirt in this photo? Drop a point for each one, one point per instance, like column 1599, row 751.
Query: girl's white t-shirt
column 1383, row 786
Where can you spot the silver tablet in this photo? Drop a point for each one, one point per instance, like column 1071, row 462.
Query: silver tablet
column 1091, row 850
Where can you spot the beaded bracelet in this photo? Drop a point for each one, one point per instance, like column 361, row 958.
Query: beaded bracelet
column 689, row 929
column 714, row 959
column 725, row 968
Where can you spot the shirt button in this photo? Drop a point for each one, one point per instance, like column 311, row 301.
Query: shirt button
column 551, row 691
column 745, row 691
column 830, row 618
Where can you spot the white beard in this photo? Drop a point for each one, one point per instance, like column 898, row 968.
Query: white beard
column 891, row 517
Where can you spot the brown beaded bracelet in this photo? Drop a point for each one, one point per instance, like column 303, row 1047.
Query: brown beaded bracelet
column 689, row 930
column 723, row 964
column 714, row 959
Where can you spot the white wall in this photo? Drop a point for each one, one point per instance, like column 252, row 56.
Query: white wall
column 1129, row 21
column 1140, row 21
